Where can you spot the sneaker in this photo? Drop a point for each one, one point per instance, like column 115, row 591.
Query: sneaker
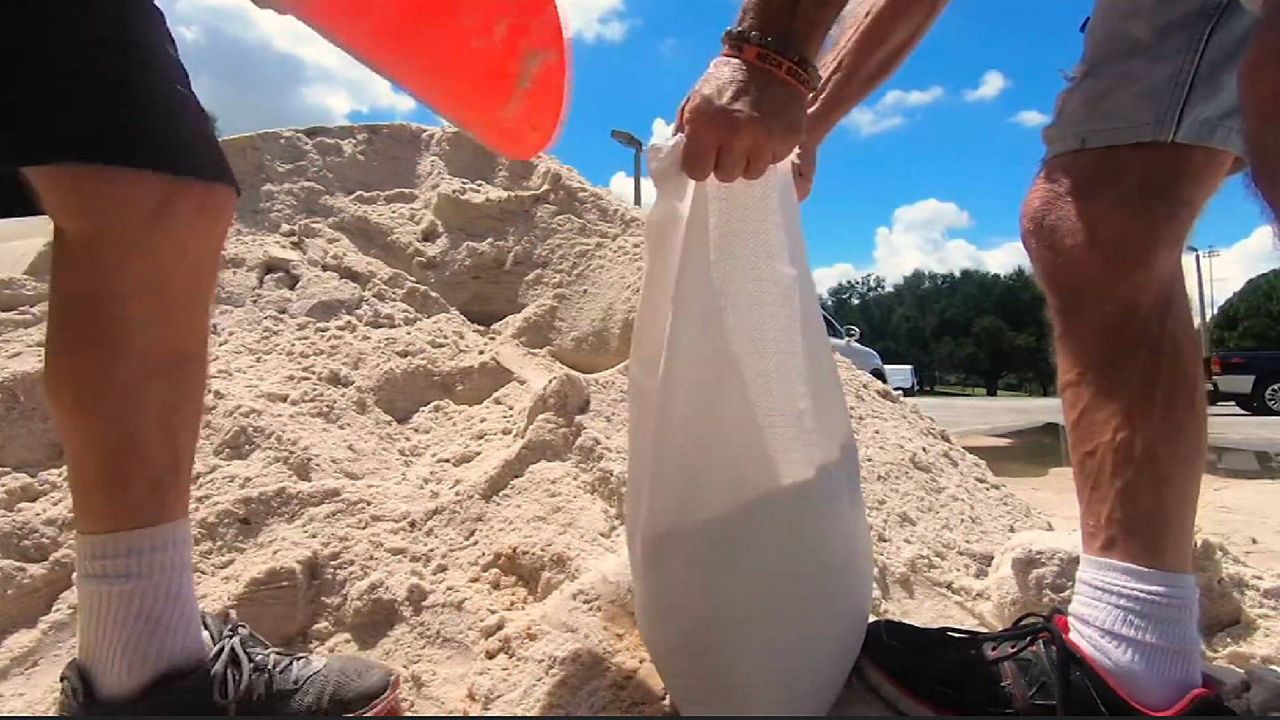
column 244, row 675
column 1031, row 668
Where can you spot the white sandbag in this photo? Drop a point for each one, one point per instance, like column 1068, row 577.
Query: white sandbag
column 746, row 528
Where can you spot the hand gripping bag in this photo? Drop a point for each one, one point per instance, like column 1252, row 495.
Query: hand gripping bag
column 746, row 528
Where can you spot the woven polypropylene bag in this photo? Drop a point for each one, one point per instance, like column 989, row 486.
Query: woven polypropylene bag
column 745, row 521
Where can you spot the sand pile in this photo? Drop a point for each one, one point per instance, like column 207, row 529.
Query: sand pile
column 415, row 444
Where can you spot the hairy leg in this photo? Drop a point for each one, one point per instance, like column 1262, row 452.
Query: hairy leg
column 1105, row 229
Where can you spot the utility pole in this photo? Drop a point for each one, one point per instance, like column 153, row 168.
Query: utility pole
column 1204, row 324
column 1210, row 254
column 627, row 140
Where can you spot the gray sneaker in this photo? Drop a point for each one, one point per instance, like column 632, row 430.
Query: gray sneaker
column 244, row 675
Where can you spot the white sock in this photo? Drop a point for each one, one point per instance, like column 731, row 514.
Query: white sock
column 1140, row 626
column 138, row 617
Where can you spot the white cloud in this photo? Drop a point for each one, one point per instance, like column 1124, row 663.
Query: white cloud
column 825, row 278
column 887, row 112
column 1030, row 118
column 993, row 83
column 623, row 186
column 919, row 238
column 594, row 20
column 868, row 122
column 255, row 69
column 660, row 130
column 896, row 99
column 1256, row 253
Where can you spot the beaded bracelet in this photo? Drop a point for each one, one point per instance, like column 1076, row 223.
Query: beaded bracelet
column 759, row 49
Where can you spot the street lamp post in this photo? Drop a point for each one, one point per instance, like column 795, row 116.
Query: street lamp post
column 1209, row 255
column 626, row 139
column 1204, row 326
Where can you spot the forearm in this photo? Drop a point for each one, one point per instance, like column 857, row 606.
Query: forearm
column 881, row 34
column 799, row 25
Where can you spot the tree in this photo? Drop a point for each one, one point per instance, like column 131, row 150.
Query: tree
column 860, row 288
column 1035, row 357
column 844, row 298
column 1250, row 319
column 1034, row 342
column 989, row 353
column 958, row 328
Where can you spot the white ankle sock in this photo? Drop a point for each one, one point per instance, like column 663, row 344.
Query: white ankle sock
column 1140, row 626
column 138, row 617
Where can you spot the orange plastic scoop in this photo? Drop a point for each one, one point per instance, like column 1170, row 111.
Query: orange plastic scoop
column 495, row 68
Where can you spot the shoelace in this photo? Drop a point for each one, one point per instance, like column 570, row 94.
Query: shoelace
column 235, row 657
column 1021, row 635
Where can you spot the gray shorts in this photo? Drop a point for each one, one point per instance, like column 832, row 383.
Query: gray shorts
column 1156, row 71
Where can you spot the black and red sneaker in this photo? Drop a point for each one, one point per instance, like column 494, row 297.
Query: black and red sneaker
column 245, row 675
column 1031, row 668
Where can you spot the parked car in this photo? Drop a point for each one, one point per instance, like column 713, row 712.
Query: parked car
column 844, row 340
column 903, row 377
column 1250, row 379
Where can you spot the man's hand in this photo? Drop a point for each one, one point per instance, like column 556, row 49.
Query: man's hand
column 739, row 120
column 804, row 165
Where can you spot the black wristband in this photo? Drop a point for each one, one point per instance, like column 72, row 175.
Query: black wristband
column 742, row 36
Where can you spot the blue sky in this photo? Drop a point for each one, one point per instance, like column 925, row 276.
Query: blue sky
column 929, row 178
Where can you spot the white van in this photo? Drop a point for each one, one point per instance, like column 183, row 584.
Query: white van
column 903, row 377
column 844, row 340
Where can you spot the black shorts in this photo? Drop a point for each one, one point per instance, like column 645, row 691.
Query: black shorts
column 97, row 82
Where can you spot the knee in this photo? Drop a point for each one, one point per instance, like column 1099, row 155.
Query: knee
column 197, row 210
column 91, row 200
column 1071, row 262
column 1111, row 258
column 209, row 201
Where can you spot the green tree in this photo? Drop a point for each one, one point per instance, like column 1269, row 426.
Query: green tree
column 842, row 301
column 989, row 352
column 968, row 327
column 1250, row 319
column 858, row 289
column 1034, row 343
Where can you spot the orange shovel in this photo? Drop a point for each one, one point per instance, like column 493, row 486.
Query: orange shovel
column 497, row 69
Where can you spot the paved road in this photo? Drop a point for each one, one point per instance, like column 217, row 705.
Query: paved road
column 991, row 416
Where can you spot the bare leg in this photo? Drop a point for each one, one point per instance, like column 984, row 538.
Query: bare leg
column 134, row 264
column 1260, row 101
column 135, row 256
column 1105, row 230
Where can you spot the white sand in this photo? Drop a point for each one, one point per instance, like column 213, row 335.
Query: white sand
column 415, row 445
column 1238, row 512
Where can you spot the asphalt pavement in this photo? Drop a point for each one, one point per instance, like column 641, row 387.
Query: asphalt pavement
column 1228, row 425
